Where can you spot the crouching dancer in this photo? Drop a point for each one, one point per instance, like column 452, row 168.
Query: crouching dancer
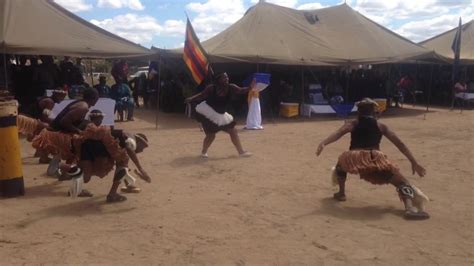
column 365, row 158
column 100, row 149
column 57, row 138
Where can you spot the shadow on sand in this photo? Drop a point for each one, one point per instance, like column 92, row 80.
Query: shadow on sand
column 336, row 209
column 73, row 208
column 46, row 190
column 196, row 159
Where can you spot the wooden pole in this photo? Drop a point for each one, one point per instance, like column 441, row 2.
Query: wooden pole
column 428, row 101
column 92, row 76
column 302, row 84
column 348, row 76
column 416, row 84
column 158, row 93
column 5, row 66
column 389, row 83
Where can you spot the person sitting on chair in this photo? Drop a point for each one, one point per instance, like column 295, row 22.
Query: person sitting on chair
column 102, row 88
column 121, row 92
column 122, row 95
column 460, row 86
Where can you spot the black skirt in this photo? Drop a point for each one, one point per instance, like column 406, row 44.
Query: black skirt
column 91, row 149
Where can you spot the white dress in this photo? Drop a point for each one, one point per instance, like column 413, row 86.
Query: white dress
column 254, row 117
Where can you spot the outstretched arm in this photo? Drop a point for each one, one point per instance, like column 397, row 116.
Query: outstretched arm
column 133, row 156
column 242, row 90
column 416, row 168
column 346, row 128
column 200, row 96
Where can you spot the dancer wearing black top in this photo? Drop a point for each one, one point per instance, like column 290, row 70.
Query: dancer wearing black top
column 365, row 158
column 211, row 112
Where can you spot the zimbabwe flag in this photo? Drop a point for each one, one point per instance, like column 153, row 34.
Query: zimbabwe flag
column 194, row 55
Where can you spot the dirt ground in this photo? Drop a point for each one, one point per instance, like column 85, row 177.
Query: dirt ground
column 275, row 208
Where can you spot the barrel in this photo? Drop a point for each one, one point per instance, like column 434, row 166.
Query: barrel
column 382, row 105
column 11, row 174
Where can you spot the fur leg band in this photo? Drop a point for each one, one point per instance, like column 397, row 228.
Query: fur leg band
column 122, row 173
column 405, row 191
column 76, row 182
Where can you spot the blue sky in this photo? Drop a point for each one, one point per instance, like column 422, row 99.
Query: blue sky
column 162, row 23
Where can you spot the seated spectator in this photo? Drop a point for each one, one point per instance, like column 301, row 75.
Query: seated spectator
column 460, row 86
column 121, row 92
column 470, row 87
column 338, row 99
column 102, row 87
column 122, row 95
column 139, row 86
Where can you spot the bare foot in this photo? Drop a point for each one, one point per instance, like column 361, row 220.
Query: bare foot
column 339, row 196
column 245, row 154
column 416, row 215
column 113, row 198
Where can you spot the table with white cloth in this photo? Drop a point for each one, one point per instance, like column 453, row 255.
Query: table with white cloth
column 468, row 96
column 105, row 105
column 308, row 109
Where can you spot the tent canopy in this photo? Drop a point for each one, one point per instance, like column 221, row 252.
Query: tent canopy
column 43, row 27
column 441, row 43
column 337, row 35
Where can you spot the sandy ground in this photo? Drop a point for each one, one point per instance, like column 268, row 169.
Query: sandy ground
column 274, row 208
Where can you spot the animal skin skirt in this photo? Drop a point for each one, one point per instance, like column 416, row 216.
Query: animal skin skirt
column 372, row 165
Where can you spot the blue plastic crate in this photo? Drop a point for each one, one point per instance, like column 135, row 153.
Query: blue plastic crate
column 343, row 109
column 262, row 80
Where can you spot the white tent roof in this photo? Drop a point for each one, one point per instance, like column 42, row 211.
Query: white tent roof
column 442, row 43
column 43, row 27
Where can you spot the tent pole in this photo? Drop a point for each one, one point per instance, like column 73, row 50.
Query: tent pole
column 347, row 83
column 92, row 76
column 429, row 92
column 5, row 66
column 416, row 83
column 388, row 87
column 267, row 70
column 158, row 93
column 302, row 84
